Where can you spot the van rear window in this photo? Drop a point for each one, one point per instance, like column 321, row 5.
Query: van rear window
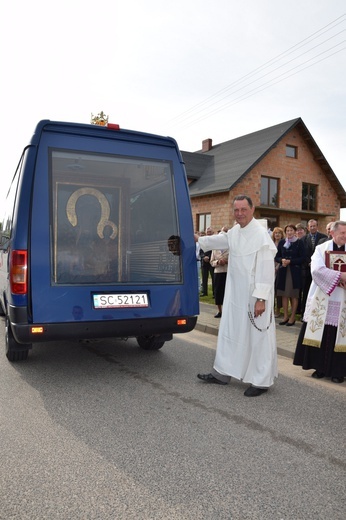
column 113, row 219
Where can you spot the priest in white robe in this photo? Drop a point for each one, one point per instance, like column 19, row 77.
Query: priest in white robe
column 321, row 343
column 246, row 347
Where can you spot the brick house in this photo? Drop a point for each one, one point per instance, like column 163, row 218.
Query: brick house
column 281, row 168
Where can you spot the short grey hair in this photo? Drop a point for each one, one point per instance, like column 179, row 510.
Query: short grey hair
column 338, row 223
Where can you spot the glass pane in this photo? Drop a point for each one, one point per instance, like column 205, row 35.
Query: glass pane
column 273, row 192
column 312, row 200
column 291, row 151
column 305, row 201
column 272, row 221
column 207, row 220
column 264, row 191
column 114, row 220
column 204, row 221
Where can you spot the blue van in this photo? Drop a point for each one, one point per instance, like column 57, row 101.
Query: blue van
column 97, row 239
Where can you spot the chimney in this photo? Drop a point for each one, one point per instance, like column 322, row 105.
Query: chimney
column 207, row 145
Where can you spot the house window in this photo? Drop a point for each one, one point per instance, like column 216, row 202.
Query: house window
column 204, row 221
column 269, row 191
column 272, row 220
column 291, row 151
column 309, row 197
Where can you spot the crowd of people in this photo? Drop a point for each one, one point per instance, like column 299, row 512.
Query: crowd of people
column 308, row 279
column 300, row 243
column 295, row 246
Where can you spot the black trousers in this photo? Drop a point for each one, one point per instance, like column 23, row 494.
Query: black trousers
column 307, row 282
column 207, row 269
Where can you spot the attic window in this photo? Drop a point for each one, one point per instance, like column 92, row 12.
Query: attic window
column 291, row 151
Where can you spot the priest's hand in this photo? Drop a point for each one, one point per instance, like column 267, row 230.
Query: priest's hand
column 342, row 281
column 260, row 307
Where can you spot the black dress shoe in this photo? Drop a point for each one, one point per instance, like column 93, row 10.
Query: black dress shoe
column 317, row 374
column 252, row 391
column 209, row 378
column 283, row 322
column 338, row 379
column 218, row 315
column 290, row 324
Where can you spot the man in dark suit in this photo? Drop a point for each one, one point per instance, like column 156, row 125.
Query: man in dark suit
column 310, row 241
column 206, row 267
column 329, row 229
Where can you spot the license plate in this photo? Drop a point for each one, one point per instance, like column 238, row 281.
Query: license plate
column 113, row 301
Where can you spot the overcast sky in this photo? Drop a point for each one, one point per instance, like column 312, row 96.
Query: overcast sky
column 191, row 69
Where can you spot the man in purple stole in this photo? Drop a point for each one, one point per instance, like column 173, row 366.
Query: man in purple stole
column 322, row 340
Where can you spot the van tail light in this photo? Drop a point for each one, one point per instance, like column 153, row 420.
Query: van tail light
column 19, row 272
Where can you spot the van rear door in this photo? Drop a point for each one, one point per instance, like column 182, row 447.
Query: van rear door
column 105, row 221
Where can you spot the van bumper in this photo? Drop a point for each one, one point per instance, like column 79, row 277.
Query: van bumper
column 26, row 333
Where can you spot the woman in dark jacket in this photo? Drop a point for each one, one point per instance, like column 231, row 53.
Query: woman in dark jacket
column 290, row 257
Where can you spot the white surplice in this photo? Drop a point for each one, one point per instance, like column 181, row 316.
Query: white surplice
column 246, row 346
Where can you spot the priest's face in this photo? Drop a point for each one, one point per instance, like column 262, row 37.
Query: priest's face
column 340, row 235
column 243, row 213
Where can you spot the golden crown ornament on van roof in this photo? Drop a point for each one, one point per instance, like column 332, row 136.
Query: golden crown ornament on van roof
column 101, row 119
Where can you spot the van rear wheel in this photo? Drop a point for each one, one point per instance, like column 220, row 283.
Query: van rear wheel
column 14, row 350
column 150, row 342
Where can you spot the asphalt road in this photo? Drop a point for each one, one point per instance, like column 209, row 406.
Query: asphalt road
column 104, row 430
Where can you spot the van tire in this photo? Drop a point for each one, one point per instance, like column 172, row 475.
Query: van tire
column 150, row 342
column 14, row 350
